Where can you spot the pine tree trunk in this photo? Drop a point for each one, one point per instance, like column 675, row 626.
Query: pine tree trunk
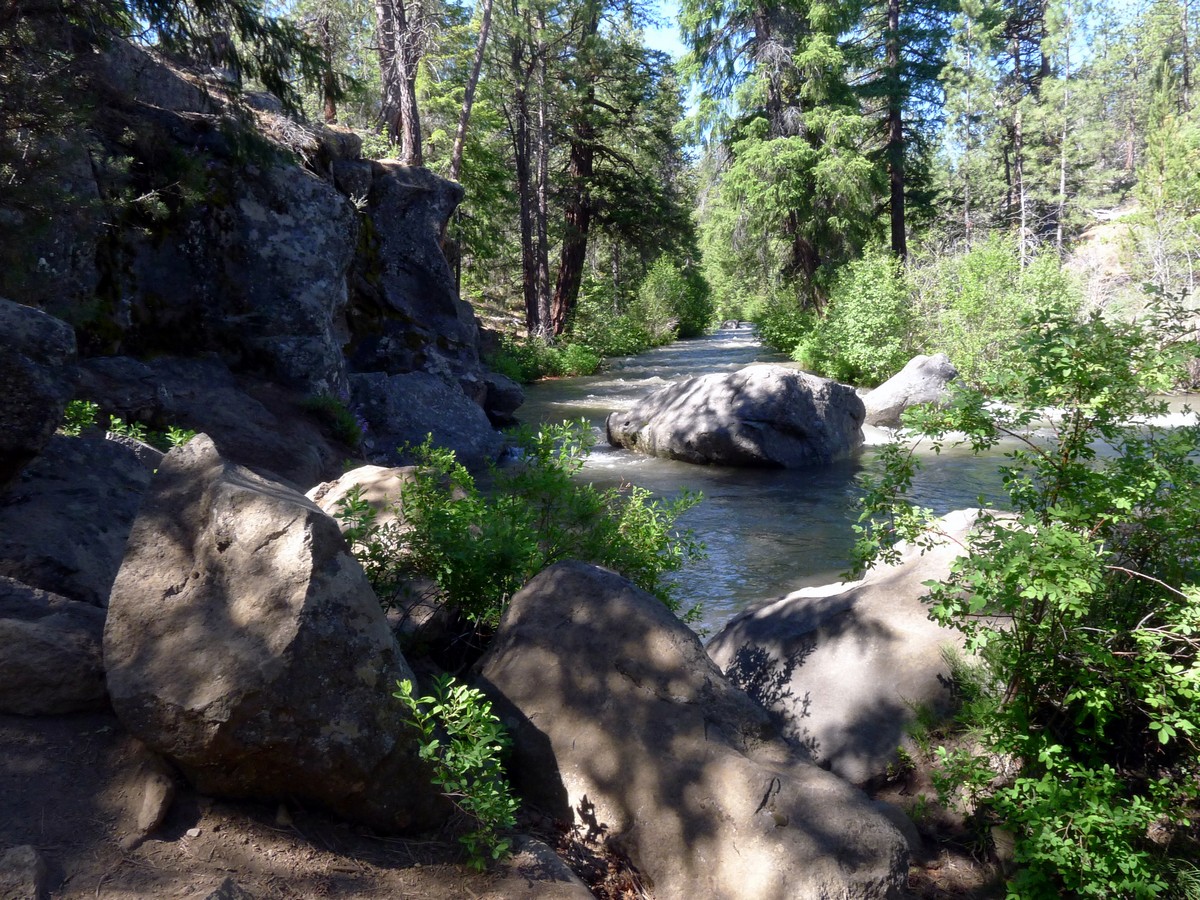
column 329, row 80
column 534, row 324
column 581, row 168
column 575, row 233
column 895, row 120
column 464, row 115
column 543, row 177
column 399, row 53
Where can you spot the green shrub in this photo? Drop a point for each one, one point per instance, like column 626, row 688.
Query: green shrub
column 969, row 305
column 527, row 361
column 79, row 416
column 672, row 302
column 602, row 322
column 783, row 325
column 866, row 334
column 480, row 548
column 1083, row 606
column 336, row 416
column 463, row 739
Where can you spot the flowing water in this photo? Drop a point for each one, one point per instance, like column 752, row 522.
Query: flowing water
column 766, row 531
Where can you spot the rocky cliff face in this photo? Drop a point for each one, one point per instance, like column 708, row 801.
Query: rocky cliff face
column 186, row 228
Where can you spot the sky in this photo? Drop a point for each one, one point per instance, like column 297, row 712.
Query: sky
column 665, row 36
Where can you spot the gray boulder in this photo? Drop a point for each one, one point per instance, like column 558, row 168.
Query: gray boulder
column 502, row 399
column 50, row 653
column 379, row 486
column 37, row 369
column 845, row 667
column 924, row 379
column 624, row 726
column 406, row 314
column 123, row 386
column 253, row 424
column 762, row 415
column 244, row 644
column 403, row 409
column 64, row 522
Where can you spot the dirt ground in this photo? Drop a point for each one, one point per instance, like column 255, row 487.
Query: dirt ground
column 73, row 786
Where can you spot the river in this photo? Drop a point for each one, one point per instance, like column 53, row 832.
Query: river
column 766, row 531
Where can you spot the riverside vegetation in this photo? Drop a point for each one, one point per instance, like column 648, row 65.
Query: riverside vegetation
column 1083, row 607
column 478, row 548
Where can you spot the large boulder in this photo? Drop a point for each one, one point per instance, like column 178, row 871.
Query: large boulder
column 404, row 409
column 763, row 415
column 624, row 726
column 924, row 379
column 847, row 668
column 406, row 314
column 50, row 659
column 244, row 643
column 380, row 487
column 64, row 522
column 254, row 424
column 37, row 369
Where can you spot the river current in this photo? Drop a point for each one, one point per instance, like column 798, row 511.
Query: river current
column 766, row 531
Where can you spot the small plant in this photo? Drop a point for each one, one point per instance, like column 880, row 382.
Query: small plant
column 79, row 416
column 463, row 740
column 334, row 413
column 135, row 430
column 177, row 437
column 378, row 548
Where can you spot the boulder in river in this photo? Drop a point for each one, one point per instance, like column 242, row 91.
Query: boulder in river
column 762, row 415
column 924, row 379
column 846, row 667
column 623, row 725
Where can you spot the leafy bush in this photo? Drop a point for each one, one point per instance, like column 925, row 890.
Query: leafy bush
column 337, row 417
column 527, row 361
column 672, row 302
column 603, row 322
column 866, row 335
column 463, row 740
column 969, row 305
column 1082, row 604
column 480, row 548
column 79, row 416
column 783, row 325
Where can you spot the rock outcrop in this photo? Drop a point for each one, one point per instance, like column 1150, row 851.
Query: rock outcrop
column 244, row 643
column 403, row 409
column 846, row 667
column 50, row 653
column 924, row 379
column 624, row 726
column 294, row 276
column 64, row 522
column 762, row 415
column 38, row 374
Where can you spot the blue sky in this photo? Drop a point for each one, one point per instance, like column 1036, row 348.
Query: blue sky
column 665, row 36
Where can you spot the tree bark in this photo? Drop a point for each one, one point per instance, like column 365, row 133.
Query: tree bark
column 542, row 211
column 329, row 80
column 581, row 169
column 895, row 121
column 399, row 54
column 575, row 233
column 464, row 116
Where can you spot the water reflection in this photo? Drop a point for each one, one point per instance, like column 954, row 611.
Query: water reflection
column 767, row 531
